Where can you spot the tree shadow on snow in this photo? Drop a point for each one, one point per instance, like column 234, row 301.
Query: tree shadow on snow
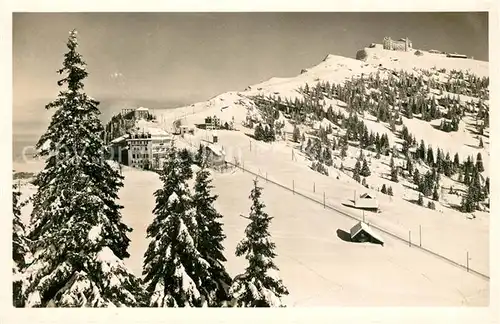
column 250, row 135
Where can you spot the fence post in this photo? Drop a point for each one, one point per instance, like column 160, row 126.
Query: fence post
column 409, row 238
column 324, row 200
column 420, row 234
column 467, row 261
column 314, row 187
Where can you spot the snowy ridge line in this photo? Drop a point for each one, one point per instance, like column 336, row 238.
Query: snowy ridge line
column 325, row 205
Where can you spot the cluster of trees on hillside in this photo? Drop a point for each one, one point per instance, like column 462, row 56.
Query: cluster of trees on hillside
column 468, row 172
column 120, row 124
column 466, row 83
column 73, row 252
column 401, row 93
column 388, row 98
column 269, row 128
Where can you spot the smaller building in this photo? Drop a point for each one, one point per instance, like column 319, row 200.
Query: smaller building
column 455, row 55
column 366, row 201
column 142, row 113
column 362, row 232
column 215, row 155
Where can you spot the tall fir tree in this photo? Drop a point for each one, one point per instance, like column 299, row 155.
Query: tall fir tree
column 210, row 240
column 259, row 285
column 79, row 240
column 174, row 270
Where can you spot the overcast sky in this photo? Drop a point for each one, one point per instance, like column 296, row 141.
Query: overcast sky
column 170, row 59
column 185, row 57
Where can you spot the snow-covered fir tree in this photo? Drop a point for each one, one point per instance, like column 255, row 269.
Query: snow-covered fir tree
column 259, row 285
column 209, row 240
column 174, row 269
column 79, row 240
column 20, row 248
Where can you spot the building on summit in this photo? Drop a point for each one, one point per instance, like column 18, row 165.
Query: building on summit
column 402, row 45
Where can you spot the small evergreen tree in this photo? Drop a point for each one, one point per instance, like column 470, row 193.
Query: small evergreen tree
column 420, row 200
column 479, row 162
column 365, row 170
column 296, row 134
column 259, row 132
column 389, row 191
column 430, row 156
column 343, row 151
column 199, row 157
column 416, row 177
column 356, row 172
column 435, row 194
column 481, row 145
column 259, row 285
column 456, row 162
column 394, row 174
column 384, row 189
column 409, row 166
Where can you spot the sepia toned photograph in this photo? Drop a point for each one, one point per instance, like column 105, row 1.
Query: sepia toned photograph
column 250, row 159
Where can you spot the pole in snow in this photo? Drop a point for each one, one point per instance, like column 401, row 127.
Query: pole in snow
column 420, row 233
column 324, row 200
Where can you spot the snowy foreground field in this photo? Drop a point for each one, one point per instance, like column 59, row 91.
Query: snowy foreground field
column 318, row 267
